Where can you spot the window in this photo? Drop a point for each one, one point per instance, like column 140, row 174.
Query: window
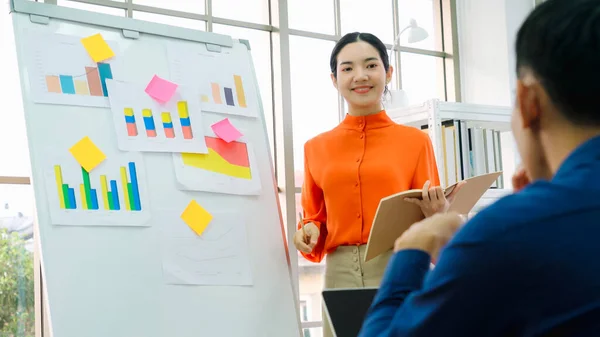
column 312, row 15
column 195, row 6
column 422, row 77
column 256, row 11
column 170, row 20
column 93, row 8
column 17, row 314
column 314, row 98
column 373, row 17
column 425, row 15
column 260, row 47
column 14, row 152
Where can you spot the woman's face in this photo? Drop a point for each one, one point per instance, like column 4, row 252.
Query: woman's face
column 361, row 75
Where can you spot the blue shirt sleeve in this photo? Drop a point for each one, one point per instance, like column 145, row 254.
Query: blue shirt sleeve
column 468, row 293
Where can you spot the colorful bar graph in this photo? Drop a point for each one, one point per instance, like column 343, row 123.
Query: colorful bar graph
column 216, row 93
column 239, row 89
column 149, row 123
column 93, row 79
column 130, row 122
column 168, row 125
column 105, row 74
column 184, row 118
column 53, row 84
column 88, row 196
column 67, row 85
column 81, row 88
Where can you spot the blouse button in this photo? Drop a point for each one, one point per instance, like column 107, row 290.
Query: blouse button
column 358, row 215
column 358, row 160
column 362, row 136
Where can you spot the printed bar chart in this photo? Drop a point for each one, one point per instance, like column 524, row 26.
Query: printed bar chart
column 130, row 122
column 94, row 83
column 228, row 94
column 184, row 118
column 168, row 125
column 149, row 123
column 110, row 193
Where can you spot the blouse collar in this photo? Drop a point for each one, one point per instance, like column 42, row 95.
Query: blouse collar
column 374, row 121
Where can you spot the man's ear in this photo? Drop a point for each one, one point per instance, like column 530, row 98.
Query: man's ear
column 528, row 100
column 334, row 80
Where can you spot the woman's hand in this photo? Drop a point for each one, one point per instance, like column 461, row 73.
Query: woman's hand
column 433, row 199
column 305, row 239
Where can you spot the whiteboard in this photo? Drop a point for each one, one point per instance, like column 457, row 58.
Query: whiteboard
column 124, row 275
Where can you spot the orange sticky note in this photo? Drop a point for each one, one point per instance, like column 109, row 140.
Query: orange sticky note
column 87, row 154
column 196, row 217
column 98, row 49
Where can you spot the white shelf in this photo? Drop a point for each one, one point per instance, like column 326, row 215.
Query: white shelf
column 433, row 112
column 487, row 116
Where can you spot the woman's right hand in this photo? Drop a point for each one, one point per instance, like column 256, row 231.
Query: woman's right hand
column 306, row 239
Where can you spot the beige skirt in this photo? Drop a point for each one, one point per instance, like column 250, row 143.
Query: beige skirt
column 345, row 268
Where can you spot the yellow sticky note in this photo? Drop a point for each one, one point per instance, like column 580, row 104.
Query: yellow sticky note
column 196, row 217
column 98, row 49
column 87, row 154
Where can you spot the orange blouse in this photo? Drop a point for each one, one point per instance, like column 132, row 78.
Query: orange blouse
column 350, row 168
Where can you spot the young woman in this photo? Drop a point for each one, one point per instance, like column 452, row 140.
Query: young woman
column 350, row 168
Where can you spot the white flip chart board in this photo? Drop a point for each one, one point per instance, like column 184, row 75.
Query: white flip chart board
column 151, row 224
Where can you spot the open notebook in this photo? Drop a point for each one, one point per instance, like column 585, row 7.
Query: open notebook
column 394, row 215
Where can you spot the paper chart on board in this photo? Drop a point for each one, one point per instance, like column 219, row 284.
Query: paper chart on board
column 229, row 168
column 219, row 256
column 224, row 81
column 143, row 124
column 62, row 72
column 113, row 194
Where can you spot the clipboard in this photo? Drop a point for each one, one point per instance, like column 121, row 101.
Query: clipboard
column 394, row 215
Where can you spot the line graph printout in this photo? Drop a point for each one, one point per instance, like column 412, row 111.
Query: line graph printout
column 143, row 124
column 218, row 257
column 228, row 168
column 62, row 72
column 224, row 80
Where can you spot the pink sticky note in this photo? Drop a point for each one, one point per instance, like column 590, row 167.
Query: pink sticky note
column 161, row 89
column 226, row 131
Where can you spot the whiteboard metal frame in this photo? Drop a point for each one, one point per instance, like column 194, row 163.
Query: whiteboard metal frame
column 39, row 11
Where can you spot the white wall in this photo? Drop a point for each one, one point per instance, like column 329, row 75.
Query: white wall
column 486, row 32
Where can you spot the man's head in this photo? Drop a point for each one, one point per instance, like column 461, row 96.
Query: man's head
column 558, row 87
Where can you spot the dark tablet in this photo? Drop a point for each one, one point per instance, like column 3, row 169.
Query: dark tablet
column 347, row 308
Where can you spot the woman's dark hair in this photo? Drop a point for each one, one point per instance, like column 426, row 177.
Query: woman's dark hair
column 355, row 37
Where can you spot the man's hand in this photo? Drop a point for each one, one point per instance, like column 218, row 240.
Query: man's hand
column 431, row 234
column 306, row 239
column 520, row 179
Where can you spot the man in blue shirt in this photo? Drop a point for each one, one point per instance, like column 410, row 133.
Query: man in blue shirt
column 527, row 265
